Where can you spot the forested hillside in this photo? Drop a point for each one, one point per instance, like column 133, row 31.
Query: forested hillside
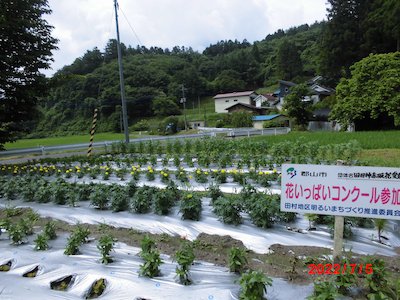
column 153, row 76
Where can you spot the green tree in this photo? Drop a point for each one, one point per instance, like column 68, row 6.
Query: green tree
column 288, row 60
column 382, row 27
column 241, row 119
column 165, row 106
column 228, row 81
column 342, row 37
column 295, row 106
column 372, row 90
column 26, row 45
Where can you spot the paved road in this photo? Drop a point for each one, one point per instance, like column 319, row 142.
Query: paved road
column 227, row 132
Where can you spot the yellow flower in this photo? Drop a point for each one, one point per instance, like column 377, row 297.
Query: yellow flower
column 260, row 173
column 223, row 171
column 205, row 173
column 275, row 171
column 165, row 175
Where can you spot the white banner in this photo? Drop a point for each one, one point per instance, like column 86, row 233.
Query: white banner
column 365, row 192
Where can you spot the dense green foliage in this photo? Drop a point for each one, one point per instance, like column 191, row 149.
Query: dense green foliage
column 295, row 106
column 372, row 91
column 26, row 46
column 355, row 29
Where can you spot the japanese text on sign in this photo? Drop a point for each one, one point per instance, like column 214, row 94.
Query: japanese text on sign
column 341, row 190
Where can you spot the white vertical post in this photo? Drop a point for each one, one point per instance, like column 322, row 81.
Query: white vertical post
column 338, row 233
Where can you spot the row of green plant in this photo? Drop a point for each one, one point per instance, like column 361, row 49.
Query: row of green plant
column 216, row 153
column 243, row 147
column 263, row 209
column 253, row 283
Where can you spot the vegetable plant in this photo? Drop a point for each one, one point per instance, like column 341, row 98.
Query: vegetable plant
column 142, row 200
column 237, row 260
column 106, row 245
column 324, row 290
column 190, row 207
column 119, row 199
column 228, row 209
column 147, row 244
column 16, row 234
column 253, row 285
column 41, row 242
column 345, row 280
column 214, row 192
column 163, row 201
column 76, row 238
column 184, row 257
column 99, row 197
column 263, row 210
column 50, row 230
column 152, row 261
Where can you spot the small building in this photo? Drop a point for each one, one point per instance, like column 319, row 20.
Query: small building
column 223, row 101
column 317, row 92
column 279, row 121
column 242, row 107
column 196, row 124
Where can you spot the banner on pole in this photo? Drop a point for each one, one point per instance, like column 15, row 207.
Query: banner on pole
column 365, row 192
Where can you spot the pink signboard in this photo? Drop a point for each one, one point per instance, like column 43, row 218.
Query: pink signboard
column 365, row 192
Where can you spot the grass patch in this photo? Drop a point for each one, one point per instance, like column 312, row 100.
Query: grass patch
column 367, row 139
column 380, row 157
column 65, row 140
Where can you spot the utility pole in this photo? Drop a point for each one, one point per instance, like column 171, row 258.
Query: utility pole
column 121, row 78
column 183, row 100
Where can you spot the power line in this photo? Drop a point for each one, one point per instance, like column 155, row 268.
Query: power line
column 133, row 30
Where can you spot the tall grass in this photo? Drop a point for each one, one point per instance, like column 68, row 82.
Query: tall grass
column 64, row 140
column 368, row 139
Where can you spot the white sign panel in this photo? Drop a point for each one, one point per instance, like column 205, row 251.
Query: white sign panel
column 365, row 192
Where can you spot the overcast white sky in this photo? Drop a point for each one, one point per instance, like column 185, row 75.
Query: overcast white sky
column 81, row 25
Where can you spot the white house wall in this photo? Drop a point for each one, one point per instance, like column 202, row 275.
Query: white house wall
column 221, row 104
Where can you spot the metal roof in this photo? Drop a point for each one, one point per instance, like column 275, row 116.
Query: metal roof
column 266, row 117
column 234, row 94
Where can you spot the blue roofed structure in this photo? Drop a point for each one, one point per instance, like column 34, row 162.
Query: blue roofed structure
column 266, row 117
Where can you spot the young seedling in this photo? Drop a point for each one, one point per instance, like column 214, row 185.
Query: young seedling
column 237, row 260
column 41, row 242
column 50, row 230
column 106, row 245
column 253, row 285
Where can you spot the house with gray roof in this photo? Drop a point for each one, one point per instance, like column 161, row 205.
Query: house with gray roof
column 224, row 101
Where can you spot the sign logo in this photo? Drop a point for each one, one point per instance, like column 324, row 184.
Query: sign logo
column 291, row 172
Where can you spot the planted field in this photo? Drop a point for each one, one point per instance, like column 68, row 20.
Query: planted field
column 196, row 219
